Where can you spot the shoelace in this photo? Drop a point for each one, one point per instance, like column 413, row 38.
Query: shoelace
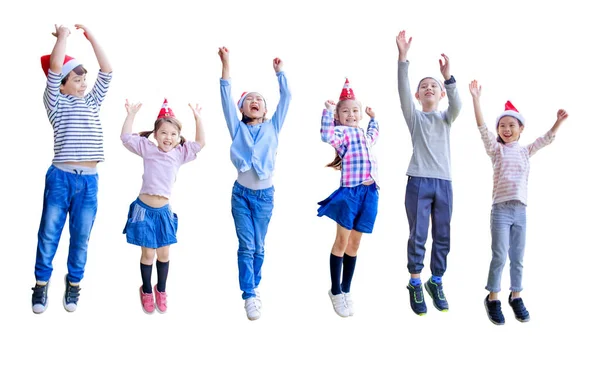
column 441, row 292
column 418, row 294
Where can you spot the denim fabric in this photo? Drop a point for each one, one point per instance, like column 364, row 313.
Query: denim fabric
column 508, row 225
column 354, row 208
column 66, row 193
column 427, row 197
column 251, row 210
column 151, row 227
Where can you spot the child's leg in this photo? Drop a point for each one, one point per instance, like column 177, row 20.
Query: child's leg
column 162, row 267
column 54, row 215
column 516, row 250
column 441, row 215
column 262, row 209
column 146, row 262
column 501, row 221
column 244, row 228
column 418, row 200
column 82, row 213
column 337, row 257
column 349, row 261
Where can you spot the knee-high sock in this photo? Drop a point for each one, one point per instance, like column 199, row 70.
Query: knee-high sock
column 162, row 269
column 146, row 278
column 335, row 267
column 349, row 264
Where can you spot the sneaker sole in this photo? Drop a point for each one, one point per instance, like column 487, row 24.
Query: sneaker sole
column 427, row 288
column 488, row 313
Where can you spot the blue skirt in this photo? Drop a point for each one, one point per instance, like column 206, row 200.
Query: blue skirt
column 150, row 227
column 354, row 208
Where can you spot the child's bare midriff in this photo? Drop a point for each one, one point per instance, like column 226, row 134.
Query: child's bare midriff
column 154, row 200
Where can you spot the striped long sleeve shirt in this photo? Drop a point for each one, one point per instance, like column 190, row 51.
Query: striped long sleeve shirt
column 511, row 165
column 354, row 146
column 76, row 121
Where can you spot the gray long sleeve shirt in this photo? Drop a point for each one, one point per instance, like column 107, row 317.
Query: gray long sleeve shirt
column 430, row 131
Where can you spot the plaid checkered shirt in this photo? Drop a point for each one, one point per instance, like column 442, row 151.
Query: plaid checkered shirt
column 354, row 146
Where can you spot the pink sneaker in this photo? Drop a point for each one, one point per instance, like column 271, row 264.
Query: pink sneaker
column 161, row 300
column 147, row 302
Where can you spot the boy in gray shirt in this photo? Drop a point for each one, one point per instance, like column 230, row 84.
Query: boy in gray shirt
column 429, row 186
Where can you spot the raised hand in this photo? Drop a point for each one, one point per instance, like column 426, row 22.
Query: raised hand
column 330, row 105
column 196, row 110
column 370, row 112
column 561, row 115
column 132, row 108
column 475, row 89
column 86, row 31
column 224, row 54
column 61, row 31
column 403, row 44
column 445, row 67
column 277, row 65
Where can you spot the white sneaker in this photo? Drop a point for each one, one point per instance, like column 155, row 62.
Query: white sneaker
column 258, row 301
column 349, row 303
column 339, row 304
column 252, row 307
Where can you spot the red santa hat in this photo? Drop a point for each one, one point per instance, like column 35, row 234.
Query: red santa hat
column 347, row 92
column 165, row 111
column 68, row 65
column 510, row 110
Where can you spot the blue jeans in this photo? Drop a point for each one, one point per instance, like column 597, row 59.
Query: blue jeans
column 251, row 210
column 71, row 193
column 508, row 224
column 427, row 197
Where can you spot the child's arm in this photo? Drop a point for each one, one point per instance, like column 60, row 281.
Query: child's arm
column 373, row 127
column 489, row 142
column 57, row 57
column 229, row 108
column 329, row 133
column 284, row 95
column 98, row 51
column 406, row 101
column 200, row 137
column 132, row 110
column 454, row 103
column 547, row 139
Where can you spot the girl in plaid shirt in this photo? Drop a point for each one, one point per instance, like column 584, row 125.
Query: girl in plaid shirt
column 354, row 205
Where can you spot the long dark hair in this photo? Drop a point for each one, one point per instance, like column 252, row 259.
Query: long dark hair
column 159, row 122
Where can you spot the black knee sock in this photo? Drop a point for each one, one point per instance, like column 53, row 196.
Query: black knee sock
column 162, row 269
column 146, row 278
column 349, row 264
column 335, row 267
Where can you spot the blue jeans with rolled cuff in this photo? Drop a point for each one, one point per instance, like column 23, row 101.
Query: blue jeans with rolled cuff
column 76, row 194
column 251, row 210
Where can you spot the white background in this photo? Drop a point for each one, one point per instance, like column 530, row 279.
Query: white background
column 541, row 57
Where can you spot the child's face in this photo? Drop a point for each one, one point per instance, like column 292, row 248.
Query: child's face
column 167, row 136
column 429, row 92
column 509, row 129
column 349, row 113
column 75, row 85
column 254, row 106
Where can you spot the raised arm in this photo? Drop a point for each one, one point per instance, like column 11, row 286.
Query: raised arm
column 200, row 137
column 328, row 129
column 561, row 116
column 57, row 57
column 373, row 127
column 454, row 103
column 229, row 107
column 547, row 139
column 132, row 109
column 284, row 95
column 488, row 138
column 406, row 100
column 98, row 51
column 475, row 90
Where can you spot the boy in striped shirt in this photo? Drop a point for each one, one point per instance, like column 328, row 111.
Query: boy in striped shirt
column 508, row 219
column 354, row 205
column 72, row 180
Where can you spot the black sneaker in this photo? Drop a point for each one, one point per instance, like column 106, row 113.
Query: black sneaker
column 39, row 298
column 494, row 311
column 519, row 308
column 71, row 296
column 436, row 292
column 417, row 303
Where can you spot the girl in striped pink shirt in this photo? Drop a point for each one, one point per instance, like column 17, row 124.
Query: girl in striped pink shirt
column 508, row 219
column 354, row 204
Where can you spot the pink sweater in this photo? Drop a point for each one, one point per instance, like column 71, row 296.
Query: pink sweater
column 511, row 165
column 160, row 168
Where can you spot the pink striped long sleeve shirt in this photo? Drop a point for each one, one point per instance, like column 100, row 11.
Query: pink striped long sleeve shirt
column 511, row 165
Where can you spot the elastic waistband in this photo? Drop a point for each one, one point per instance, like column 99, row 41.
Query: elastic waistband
column 74, row 169
column 258, row 192
column 148, row 207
